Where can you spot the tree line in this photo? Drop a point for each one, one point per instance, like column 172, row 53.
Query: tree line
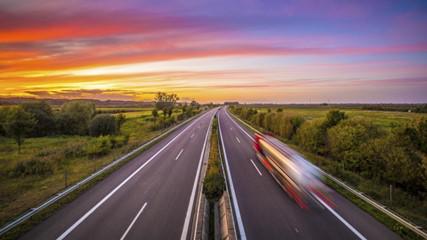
column 37, row 119
column 396, row 157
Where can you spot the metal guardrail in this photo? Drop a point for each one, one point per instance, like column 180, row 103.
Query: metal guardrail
column 416, row 229
column 77, row 185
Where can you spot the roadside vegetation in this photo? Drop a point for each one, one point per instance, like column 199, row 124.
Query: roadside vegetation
column 44, row 149
column 372, row 151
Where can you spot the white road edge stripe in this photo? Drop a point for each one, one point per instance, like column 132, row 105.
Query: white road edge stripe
column 358, row 234
column 179, row 154
column 259, row 172
column 233, row 193
column 238, row 139
column 133, row 221
column 226, row 113
column 193, row 192
column 87, row 214
column 323, row 203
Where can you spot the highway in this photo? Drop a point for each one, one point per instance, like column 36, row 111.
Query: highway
column 151, row 197
column 154, row 196
column 263, row 210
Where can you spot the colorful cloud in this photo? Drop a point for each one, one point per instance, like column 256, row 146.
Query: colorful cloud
column 215, row 50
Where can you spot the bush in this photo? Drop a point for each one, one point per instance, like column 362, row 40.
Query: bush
column 99, row 147
column 103, row 124
column 119, row 141
column 32, row 167
column 310, row 137
column 75, row 149
column 162, row 123
column 213, row 185
column 345, row 141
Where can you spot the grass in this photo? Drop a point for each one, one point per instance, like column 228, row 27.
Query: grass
column 18, row 194
column 381, row 118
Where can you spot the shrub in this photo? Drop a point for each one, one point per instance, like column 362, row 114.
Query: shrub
column 345, row 141
column 311, row 137
column 75, row 149
column 162, row 123
column 103, row 124
column 213, row 185
column 99, row 147
column 32, row 167
column 119, row 141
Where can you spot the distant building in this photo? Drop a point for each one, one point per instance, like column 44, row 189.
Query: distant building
column 231, row 103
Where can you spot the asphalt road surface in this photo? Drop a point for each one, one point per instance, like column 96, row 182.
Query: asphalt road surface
column 151, row 197
column 263, row 210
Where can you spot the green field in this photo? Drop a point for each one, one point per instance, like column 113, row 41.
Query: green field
column 18, row 194
column 382, row 118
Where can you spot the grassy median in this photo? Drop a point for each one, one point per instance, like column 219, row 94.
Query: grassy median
column 213, row 184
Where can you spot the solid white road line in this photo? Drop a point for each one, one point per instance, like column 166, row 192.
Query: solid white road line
column 87, row 214
column 358, row 234
column 193, row 192
column 238, row 139
column 179, row 154
column 226, row 113
column 233, row 193
column 133, row 221
column 259, row 172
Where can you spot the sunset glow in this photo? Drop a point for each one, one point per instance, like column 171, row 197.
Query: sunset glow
column 249, row 51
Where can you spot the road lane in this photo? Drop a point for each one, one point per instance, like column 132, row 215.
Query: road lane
column 164, row 183
column 267, row 211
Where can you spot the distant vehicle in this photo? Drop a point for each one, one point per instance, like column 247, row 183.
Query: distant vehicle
column 300, row 179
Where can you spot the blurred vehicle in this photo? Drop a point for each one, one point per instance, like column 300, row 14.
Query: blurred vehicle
column 299, row 178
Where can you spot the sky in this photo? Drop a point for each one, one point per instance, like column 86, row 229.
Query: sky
column 272, row 51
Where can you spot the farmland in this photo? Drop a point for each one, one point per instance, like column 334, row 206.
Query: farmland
column 382, row 118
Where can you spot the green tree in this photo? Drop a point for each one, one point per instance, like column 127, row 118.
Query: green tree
column 75, row 116
column 19, row 124
column 103, row 124
column 288, row 126
column 155, row 114
column 165, row 102
column 42, row 112
column 333, row 118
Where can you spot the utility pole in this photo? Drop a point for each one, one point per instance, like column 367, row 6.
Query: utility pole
column 391, row 193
